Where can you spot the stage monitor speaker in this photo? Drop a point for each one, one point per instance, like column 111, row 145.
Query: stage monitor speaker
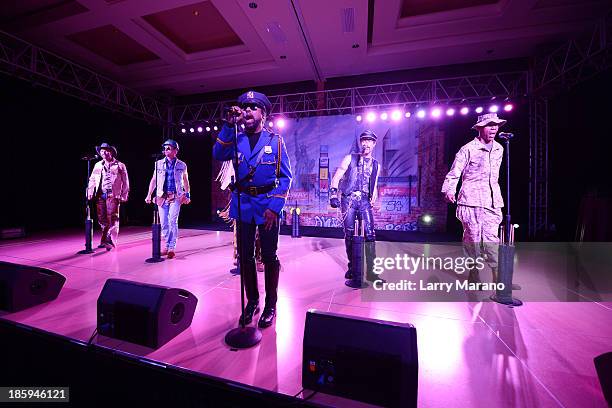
column 24, row 286
column 368, row 360
column 144, row 314
column 603, row 365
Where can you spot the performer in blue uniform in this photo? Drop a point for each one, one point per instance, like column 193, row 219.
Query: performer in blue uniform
column 263, row 179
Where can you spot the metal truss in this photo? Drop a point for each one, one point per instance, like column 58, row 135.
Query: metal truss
column 29, row 62
column 354, row 100
column 538, row 166
column 576, row 60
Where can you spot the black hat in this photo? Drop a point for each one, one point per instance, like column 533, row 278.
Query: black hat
column 368, row 134
column 257, row 98
column 106, row 146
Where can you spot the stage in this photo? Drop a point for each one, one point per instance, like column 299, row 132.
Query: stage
column 471, row 354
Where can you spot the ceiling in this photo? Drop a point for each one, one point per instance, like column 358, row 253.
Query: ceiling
column 182, row 47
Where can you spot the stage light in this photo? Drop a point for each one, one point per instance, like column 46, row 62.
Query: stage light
column 242, row 126
column 358, row 118
column 478, row 109
column 464, row 110
column 208, row 128
column 183, row 130
column 191, row 130
column 516, row 226
column 493, row 108
column 508, row 107
column 270, row 124
column 436, row 112
column 407, row 114
column 450, row 112
column 427, row 219
column 280, row 123
column 371, row 117
column 396, row 115
column 421, row 113
column 199, row 129
column 215, row 128
column 384, row 116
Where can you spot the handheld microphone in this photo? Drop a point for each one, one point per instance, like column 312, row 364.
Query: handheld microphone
column 505, row 135
column 95, row 156
column 227, row 110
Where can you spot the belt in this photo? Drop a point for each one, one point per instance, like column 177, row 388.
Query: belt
column 254, row 191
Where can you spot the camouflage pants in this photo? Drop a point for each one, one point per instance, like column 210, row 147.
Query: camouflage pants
column 480, row 231
column 108, row 217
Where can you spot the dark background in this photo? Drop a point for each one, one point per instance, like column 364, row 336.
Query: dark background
column 46, row 133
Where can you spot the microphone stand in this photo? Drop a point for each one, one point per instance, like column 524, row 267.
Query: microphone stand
column 88, row 221
column 240, row 337
column 155, row 227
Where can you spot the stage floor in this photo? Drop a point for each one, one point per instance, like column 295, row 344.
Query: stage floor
column 470, row 354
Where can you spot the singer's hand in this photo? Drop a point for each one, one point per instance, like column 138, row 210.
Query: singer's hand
column 449, row 197
column 234, row 115
column 148, row 199
column 271, row 219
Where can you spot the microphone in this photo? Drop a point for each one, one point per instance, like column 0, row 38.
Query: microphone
column 95, row 156
column 504, row 135
column 227, row 110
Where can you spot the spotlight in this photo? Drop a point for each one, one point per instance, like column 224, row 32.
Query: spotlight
column 242, row 126
column 427, row 219
column 384, row 116
column 508, row 107
column 464, row 110
column 407, row 114
column 450, row 112
column 215, row 128
column 516, row 226
column 493, row 108
column 371, row 117
column 270, row 124
column 191, row 130
column 396, row 115
column 478, row 109
column 436, row 112
column 199, row 129
column 183, row 130
column 421, row 113
column 208, row 128
column 358, row 118
column 280, row 123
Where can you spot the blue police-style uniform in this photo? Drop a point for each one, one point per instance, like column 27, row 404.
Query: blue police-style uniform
column 263, row 179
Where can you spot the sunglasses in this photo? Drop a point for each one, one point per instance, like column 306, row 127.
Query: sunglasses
column 168, row 148
column 252, row 106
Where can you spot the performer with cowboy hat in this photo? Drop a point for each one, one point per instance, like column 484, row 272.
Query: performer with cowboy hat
column 263, row 179
column 109, row 186
column 479, row 201
column 172, row 190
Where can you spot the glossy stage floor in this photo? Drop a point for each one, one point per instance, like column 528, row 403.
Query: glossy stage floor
column 470, row 354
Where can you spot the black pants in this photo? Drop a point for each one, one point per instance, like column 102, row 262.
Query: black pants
column 269, row 245
column 359, row 209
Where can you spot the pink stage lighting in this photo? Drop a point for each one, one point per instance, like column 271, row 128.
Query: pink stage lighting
column 358, row 118
column 436, row 112
column 371, row 117
column 478, row 109
column 493, row 108
column 183, row 130
column 270, row 124
column 215, row 128
column 464, row 110
column 384, row 116
column 407, row 114
column 396, row 115
column 450, row 112
column 421, row 113
column 199, row 129
column 280, row 123
column 191, row 130
column 208, row 128
column 508, row 107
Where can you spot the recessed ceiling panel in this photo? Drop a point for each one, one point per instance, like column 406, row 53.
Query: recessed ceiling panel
column 411, row 8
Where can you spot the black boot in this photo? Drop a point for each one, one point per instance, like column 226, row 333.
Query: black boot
column 370, row 254
column 251, row 309
column 271, row 272
column 348, row 244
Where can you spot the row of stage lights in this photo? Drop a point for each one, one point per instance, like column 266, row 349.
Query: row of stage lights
column 434, row 112
column 279, row 123
column 371, row 116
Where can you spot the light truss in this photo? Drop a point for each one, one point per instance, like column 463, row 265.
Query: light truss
column 462, row 89
column 576, row 60
column 29, row 62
